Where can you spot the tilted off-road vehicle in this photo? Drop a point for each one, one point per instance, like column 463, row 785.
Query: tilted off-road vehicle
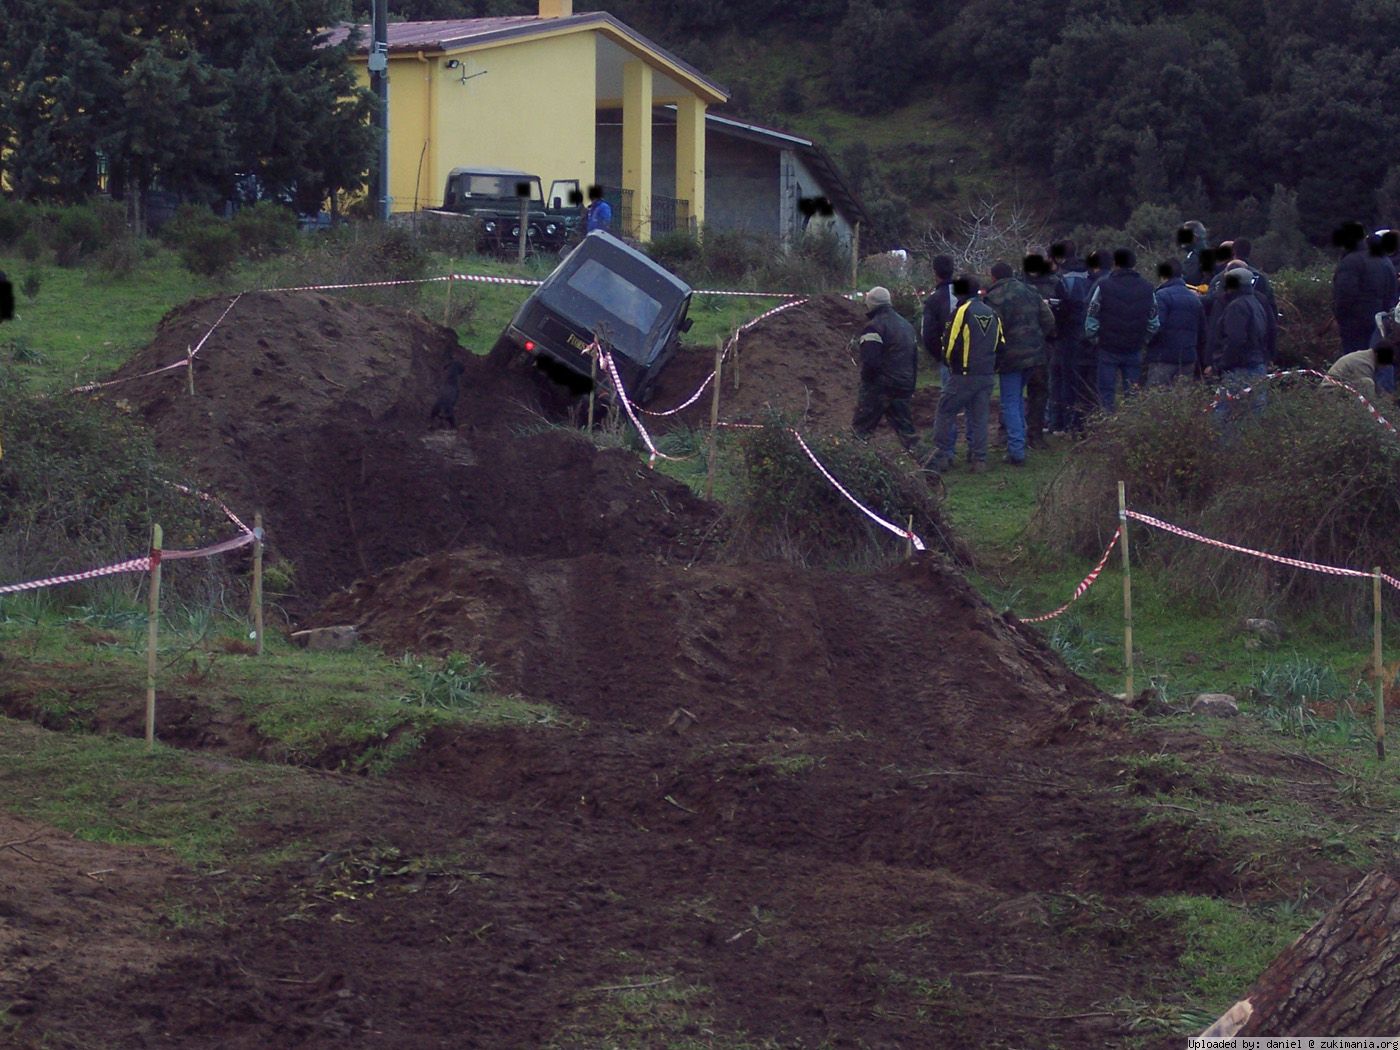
column 607, row 291
column 494, row 195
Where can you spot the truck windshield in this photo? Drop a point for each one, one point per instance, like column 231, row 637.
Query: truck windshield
column 496, row 186
column 618, row 296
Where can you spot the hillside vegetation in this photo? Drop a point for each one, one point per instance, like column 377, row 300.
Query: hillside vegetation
column 1224, row 109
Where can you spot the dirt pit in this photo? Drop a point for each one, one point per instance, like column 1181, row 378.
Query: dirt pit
column 316, row 412
column 780, row 807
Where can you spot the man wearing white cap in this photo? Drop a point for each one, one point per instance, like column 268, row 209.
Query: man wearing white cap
column 889, row 367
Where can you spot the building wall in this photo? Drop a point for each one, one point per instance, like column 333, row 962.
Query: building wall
column 741, row 177
column 515, row 114
column 804, row 184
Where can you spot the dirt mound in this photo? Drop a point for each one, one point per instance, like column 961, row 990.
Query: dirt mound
column 798, row 362
column 316, row 411
column 910, row 650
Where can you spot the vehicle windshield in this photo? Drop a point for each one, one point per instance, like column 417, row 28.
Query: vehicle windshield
column 496, row 186
column 618, row 296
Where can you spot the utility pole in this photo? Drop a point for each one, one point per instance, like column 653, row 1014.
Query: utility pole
column 379, row 85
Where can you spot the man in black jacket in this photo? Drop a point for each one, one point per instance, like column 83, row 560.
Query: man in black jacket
column 889, row 368
column 1238, row 342
column 7, row 298
column 1357, row 295
column 938, row 311
column 1122, row 317
column 974, row 342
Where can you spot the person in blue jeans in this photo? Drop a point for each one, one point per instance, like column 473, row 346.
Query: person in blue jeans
column 1122, row 317
column 970, row 355
column 1026, row 323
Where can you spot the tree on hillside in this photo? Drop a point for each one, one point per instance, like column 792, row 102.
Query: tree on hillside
column 877, row 54
column 181, row 94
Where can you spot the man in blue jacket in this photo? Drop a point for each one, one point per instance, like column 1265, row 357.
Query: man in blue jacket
column 1177, row 350
column 1122, row 318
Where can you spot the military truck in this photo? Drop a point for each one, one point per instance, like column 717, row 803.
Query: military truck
column 493, row 196
column 608, row 291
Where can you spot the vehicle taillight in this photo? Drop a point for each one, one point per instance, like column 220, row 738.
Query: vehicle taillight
column 530, row 345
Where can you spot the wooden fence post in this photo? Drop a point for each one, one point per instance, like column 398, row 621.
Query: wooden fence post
column 189, row 367
column 593, row 383
column 855, row 257
column 1127, row 595
column 1378, row 664
column 447, row 309
column 524, row 227
column 152, row 636
column 714, row 421
column 257, row 596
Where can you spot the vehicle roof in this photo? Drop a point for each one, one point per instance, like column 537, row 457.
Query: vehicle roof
column 483, row 170
column 600, row 242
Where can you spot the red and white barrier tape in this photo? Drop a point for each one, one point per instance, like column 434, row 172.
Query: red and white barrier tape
column 905, row 533
column 142, row 564
column 190, row 353
column 1296, row 563
column 241, row 540
column 729, row 345
column 133, row 565
column 1084, row 585
column 1235, row 395
column 358, row 284
column 611, row 367
column 214, row 500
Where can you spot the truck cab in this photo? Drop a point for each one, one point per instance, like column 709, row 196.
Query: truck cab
column 605, row 291
column 494, row 195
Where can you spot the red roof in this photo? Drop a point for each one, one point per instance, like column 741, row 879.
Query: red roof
column 447, row 34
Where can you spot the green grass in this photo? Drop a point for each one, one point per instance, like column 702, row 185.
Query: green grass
column 1228, row 945
column 82, row 325
column 111, row 790
column 358, row 708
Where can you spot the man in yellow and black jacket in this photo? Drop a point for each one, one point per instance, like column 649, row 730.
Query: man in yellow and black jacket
column 974, row 341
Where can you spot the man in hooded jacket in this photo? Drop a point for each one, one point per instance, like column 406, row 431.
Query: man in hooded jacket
column 889, row 368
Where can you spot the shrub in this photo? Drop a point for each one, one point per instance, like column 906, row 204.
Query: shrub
column 80, row 230
column 787, row 509
column 210, row 249
column 80, row 486
column 265, row 229
column 31, row 244
column 1312, row 476
column 455, row 236
column 16, row 219
column 31, row 284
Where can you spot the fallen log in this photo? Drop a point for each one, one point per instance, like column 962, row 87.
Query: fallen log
column 1340, row 978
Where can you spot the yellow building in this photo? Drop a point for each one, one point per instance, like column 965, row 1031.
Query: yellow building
column 524, row 92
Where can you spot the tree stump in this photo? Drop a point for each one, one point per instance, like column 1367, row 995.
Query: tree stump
column 1340, row 978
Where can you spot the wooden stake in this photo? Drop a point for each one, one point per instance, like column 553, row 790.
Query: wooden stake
column 189, row 367
column 593, row 385
column 447, row 309
column 1127, row 594
column 714, row 421
column 257, row 598
column 736, row 364
column 524, row 226
column 1378, row 663
column 909, row 538
column 152, row 637
column 855, row 257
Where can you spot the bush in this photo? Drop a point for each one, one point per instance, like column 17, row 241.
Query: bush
column 788, row 510
column 31, row 244
column 210, row 249
column 81, row 230
column 16, row 219
column 1312, row 476
column 265, row 229
column 80, row 485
